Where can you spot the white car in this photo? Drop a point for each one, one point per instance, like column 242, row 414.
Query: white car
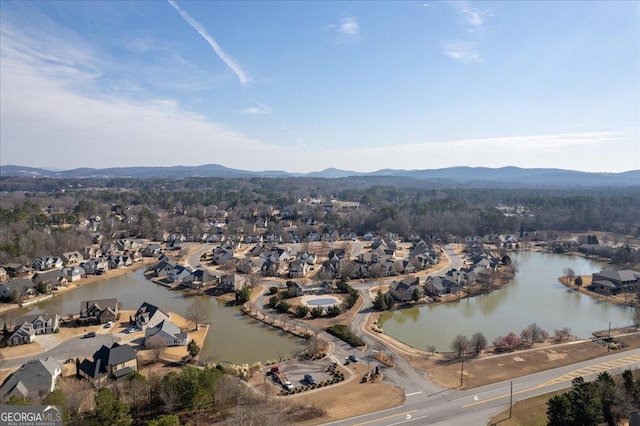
column 109, row 324
column 132, row 329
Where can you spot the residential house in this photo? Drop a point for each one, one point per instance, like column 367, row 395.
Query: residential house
column 292, row 237
column 199, row 278
column 116, row 361
column 162, row 268
column 47, row 262
column 73, row 273
column 249, row 266
column 72, row 257
column 118, row 261
column 15, row 270
column 404, row 290
column 272, row 267
column 152, row 250
column 170, row 333
column 405, row 267
column 232, row 283
column 612, row 282
column 337, row 254
column 29, row 326
column 52, row 279
column 149, row 315
column 99, row 311
column 222, row 255
column 332, row 268
column 439, row 286
column 97, row 266
column 369, row 236
column 178, row 273
column 34, row 380
column 17, row 288
column 91, row 252
column 258, row 250
column 368, row 258
column 298, row 269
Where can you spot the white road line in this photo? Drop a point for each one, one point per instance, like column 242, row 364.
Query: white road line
column 412, row 393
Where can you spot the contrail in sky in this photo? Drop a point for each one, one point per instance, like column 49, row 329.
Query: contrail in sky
column 244, row 78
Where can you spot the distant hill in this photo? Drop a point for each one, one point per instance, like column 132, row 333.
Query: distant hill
column 467, row 176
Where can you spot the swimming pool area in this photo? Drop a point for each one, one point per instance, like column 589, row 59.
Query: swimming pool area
column 323, row 301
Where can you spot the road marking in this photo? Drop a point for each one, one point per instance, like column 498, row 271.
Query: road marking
column 413, row 393
column 385, row 418
column 581, row 372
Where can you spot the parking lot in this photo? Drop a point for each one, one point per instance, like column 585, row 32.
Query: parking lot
column 296, row 369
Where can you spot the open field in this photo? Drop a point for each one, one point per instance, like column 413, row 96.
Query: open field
column 528, row 412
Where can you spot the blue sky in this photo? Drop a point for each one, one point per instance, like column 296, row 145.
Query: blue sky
column 302, row 86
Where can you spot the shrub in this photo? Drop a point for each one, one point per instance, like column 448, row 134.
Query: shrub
column 342, row 332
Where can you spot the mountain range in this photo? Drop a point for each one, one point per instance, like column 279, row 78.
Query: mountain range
column 481, row 176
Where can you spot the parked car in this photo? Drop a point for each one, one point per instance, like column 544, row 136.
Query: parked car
column 309, row 379
column 109, row 324
column 90, row 334
column 353, row 358
column 132, row 329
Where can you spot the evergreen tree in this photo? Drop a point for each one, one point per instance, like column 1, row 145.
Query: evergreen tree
column 380, row 303
column 559, row 411
column 110, row 411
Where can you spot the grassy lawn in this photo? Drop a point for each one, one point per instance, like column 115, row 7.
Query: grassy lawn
column 529, row 412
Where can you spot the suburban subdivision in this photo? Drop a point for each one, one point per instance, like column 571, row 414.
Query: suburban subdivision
column 310, row 300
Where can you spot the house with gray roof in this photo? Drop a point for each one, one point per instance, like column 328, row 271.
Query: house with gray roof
column 612, row 282
column 34, row 380
column 99, row 311
column 403, row 290
column 149, row 315
column 116, row 362
column 53, row 279
column 19, row 287
column 232, row 282
column 27, row 327
column 170, row 333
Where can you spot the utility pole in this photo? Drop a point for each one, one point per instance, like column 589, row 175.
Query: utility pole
column 461, row 372
column 511, row 399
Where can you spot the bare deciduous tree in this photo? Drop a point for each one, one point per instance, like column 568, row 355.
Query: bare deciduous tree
column 459, row 345
column 157, row 345
column 196, row 312
column 569, row 274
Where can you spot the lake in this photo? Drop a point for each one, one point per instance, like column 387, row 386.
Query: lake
column 534, row 295
column 232, row 337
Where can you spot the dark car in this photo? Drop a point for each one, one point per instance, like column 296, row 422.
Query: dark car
column 90, row 334
column 353, row 358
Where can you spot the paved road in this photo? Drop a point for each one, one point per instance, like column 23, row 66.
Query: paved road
column 77, row 347
column 476, row 406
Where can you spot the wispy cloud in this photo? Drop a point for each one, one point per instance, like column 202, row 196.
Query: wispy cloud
column 245, row 79
column 347, row 30
column 43, row 104
column 296, row 137
column 259, row 110
column 349, row 26
column 467, row 50
column 463, row 51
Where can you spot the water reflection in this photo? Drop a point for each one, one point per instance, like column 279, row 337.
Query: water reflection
column 232, row 336
column 534, row 296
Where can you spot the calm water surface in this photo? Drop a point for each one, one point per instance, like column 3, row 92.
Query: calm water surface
column 232, row 336
column 535, row 295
